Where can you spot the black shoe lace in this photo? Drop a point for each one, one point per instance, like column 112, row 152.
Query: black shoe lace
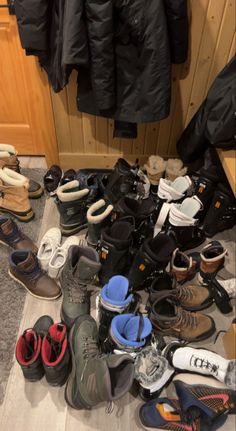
column 77, row 290
column 90, row 351
column 56, row 348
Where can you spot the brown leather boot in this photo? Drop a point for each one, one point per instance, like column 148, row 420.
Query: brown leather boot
column 25, row 268
column 12, row 236
column 212, row 260
column 184, row 266
column 14, row 196
column 8, row 159
column 172, row 320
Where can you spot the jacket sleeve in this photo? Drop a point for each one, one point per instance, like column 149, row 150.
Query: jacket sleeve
column 32, row 18
column 100, row 34
column 178, row 28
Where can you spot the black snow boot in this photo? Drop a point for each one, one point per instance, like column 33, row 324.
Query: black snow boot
column 115, row 253
column 153, row 256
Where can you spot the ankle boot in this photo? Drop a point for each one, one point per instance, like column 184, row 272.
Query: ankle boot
column 14, row 195
column 96, row 377
column 72, row 205
column 223, row 291
column 153, row 256
column 114, row 299
column 212, row 260
column 222, row 212
column 183, row 227
column 115, row 250
column 8, row 159
column 56, row 355
column 201, row 361
column 169, row 192
column 81, row 267
column 184, row 266
column 141, row 213
column 172, row 320
column 155, row 168
column 174, row 169
column 128, row 334
column 98, row 216
column 12, row 236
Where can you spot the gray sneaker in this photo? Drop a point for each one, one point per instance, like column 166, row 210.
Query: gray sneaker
column 95, row 377
column 81, row 267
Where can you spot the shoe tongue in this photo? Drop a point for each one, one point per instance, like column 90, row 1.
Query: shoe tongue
column 86, row 268
column 28, row 264
column 57, row 332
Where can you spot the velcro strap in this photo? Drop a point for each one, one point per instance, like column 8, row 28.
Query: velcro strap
column 162, row 218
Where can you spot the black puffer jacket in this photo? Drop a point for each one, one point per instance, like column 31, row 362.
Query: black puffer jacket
column 122, row 48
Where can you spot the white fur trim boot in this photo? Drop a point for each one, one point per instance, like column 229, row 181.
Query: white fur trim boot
column 175, row 169
column 155, row 168
column 98, row 216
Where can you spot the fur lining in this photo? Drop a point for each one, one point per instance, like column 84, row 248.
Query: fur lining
column 13, row 178
column 8, row 148
column 4, row 154
column 155, row 165
column 214, row 259
column 95, row 219
column 174, row 169
column 71, row 196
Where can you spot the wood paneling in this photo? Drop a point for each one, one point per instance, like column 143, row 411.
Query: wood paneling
column 88, row 141
column 26, row 117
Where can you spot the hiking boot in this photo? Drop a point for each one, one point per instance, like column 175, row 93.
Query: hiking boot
column 68, row 176
column 98, row 217
column 11, row 235
column 183, row 227
column 114, row 299
column 174, row 169
column 25, row 269
column 168, row 192
column 56, row 355
column 205, row 397
column 152, row 372
column 165, row 413
column 141, row 214
column 153, row 256
column 28, row 349
column 201, row 361
column 115, row 247
column 14, row 195
column 124, row 181
column 52, row 179
column 222, row 212
column 72, row 205
column 162, row 282
column 128, row 333
column 184, row 266
column 223, row 291
column 191, row 298
column 212, row 260
column 81, row 266
column 172, row 320
column 155, row 168
column 8, row 159
column 95, row 378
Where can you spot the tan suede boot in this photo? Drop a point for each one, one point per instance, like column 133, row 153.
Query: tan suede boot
column 14, row 198
column 8, row 159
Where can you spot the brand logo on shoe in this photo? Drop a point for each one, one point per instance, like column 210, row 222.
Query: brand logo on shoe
column 204, row 364
column 167, row 414
column 142, row 267
column 104, row 253
column 223, row 397
column 201, row 188
column 217, row 204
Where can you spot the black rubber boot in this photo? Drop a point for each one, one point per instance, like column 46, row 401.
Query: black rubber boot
column 222, row 212
column 205, row 188
column 122, row 181
column 153, row 256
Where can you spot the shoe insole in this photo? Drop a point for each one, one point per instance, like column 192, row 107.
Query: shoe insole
column 117, row 288
column 190, row 207
column 181, row 184
column 58, row 260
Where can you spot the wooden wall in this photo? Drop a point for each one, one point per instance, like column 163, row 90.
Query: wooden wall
column 86, row 141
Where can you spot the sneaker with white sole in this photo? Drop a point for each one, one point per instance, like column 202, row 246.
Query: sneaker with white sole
column 49, row 243
column 59, row 256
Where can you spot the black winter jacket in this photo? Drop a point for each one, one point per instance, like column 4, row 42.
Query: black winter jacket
column 215, row 121
column 122, row 48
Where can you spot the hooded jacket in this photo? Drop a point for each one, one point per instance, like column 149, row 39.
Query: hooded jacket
column 123, row 51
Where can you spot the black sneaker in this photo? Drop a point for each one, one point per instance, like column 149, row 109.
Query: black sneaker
column 52, row 179
column 222, row 212
column 56, row 355
column 28, row 349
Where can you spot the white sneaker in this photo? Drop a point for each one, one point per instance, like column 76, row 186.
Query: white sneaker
column 49, row 243
column 59, row 256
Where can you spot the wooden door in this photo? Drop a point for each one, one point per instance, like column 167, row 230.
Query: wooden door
column 26, row 119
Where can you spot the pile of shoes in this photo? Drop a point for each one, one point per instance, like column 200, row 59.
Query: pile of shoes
column 128, row 234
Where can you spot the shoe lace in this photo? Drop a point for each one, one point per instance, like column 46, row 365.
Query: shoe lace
column 185, row 293
column 55, row 346
column 186, row 318
column 90, row 351
column 77, row 290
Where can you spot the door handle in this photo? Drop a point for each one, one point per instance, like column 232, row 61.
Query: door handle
column 10, row 5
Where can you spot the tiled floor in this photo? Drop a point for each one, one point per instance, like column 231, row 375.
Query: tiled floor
column 39, row 407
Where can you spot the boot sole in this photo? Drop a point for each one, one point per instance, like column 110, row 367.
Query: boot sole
column 25, row 217
column 32, row 294
column 72, row 231
column 200, row 307
column 81, row 404
column 202, row 337
column 37, row 194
